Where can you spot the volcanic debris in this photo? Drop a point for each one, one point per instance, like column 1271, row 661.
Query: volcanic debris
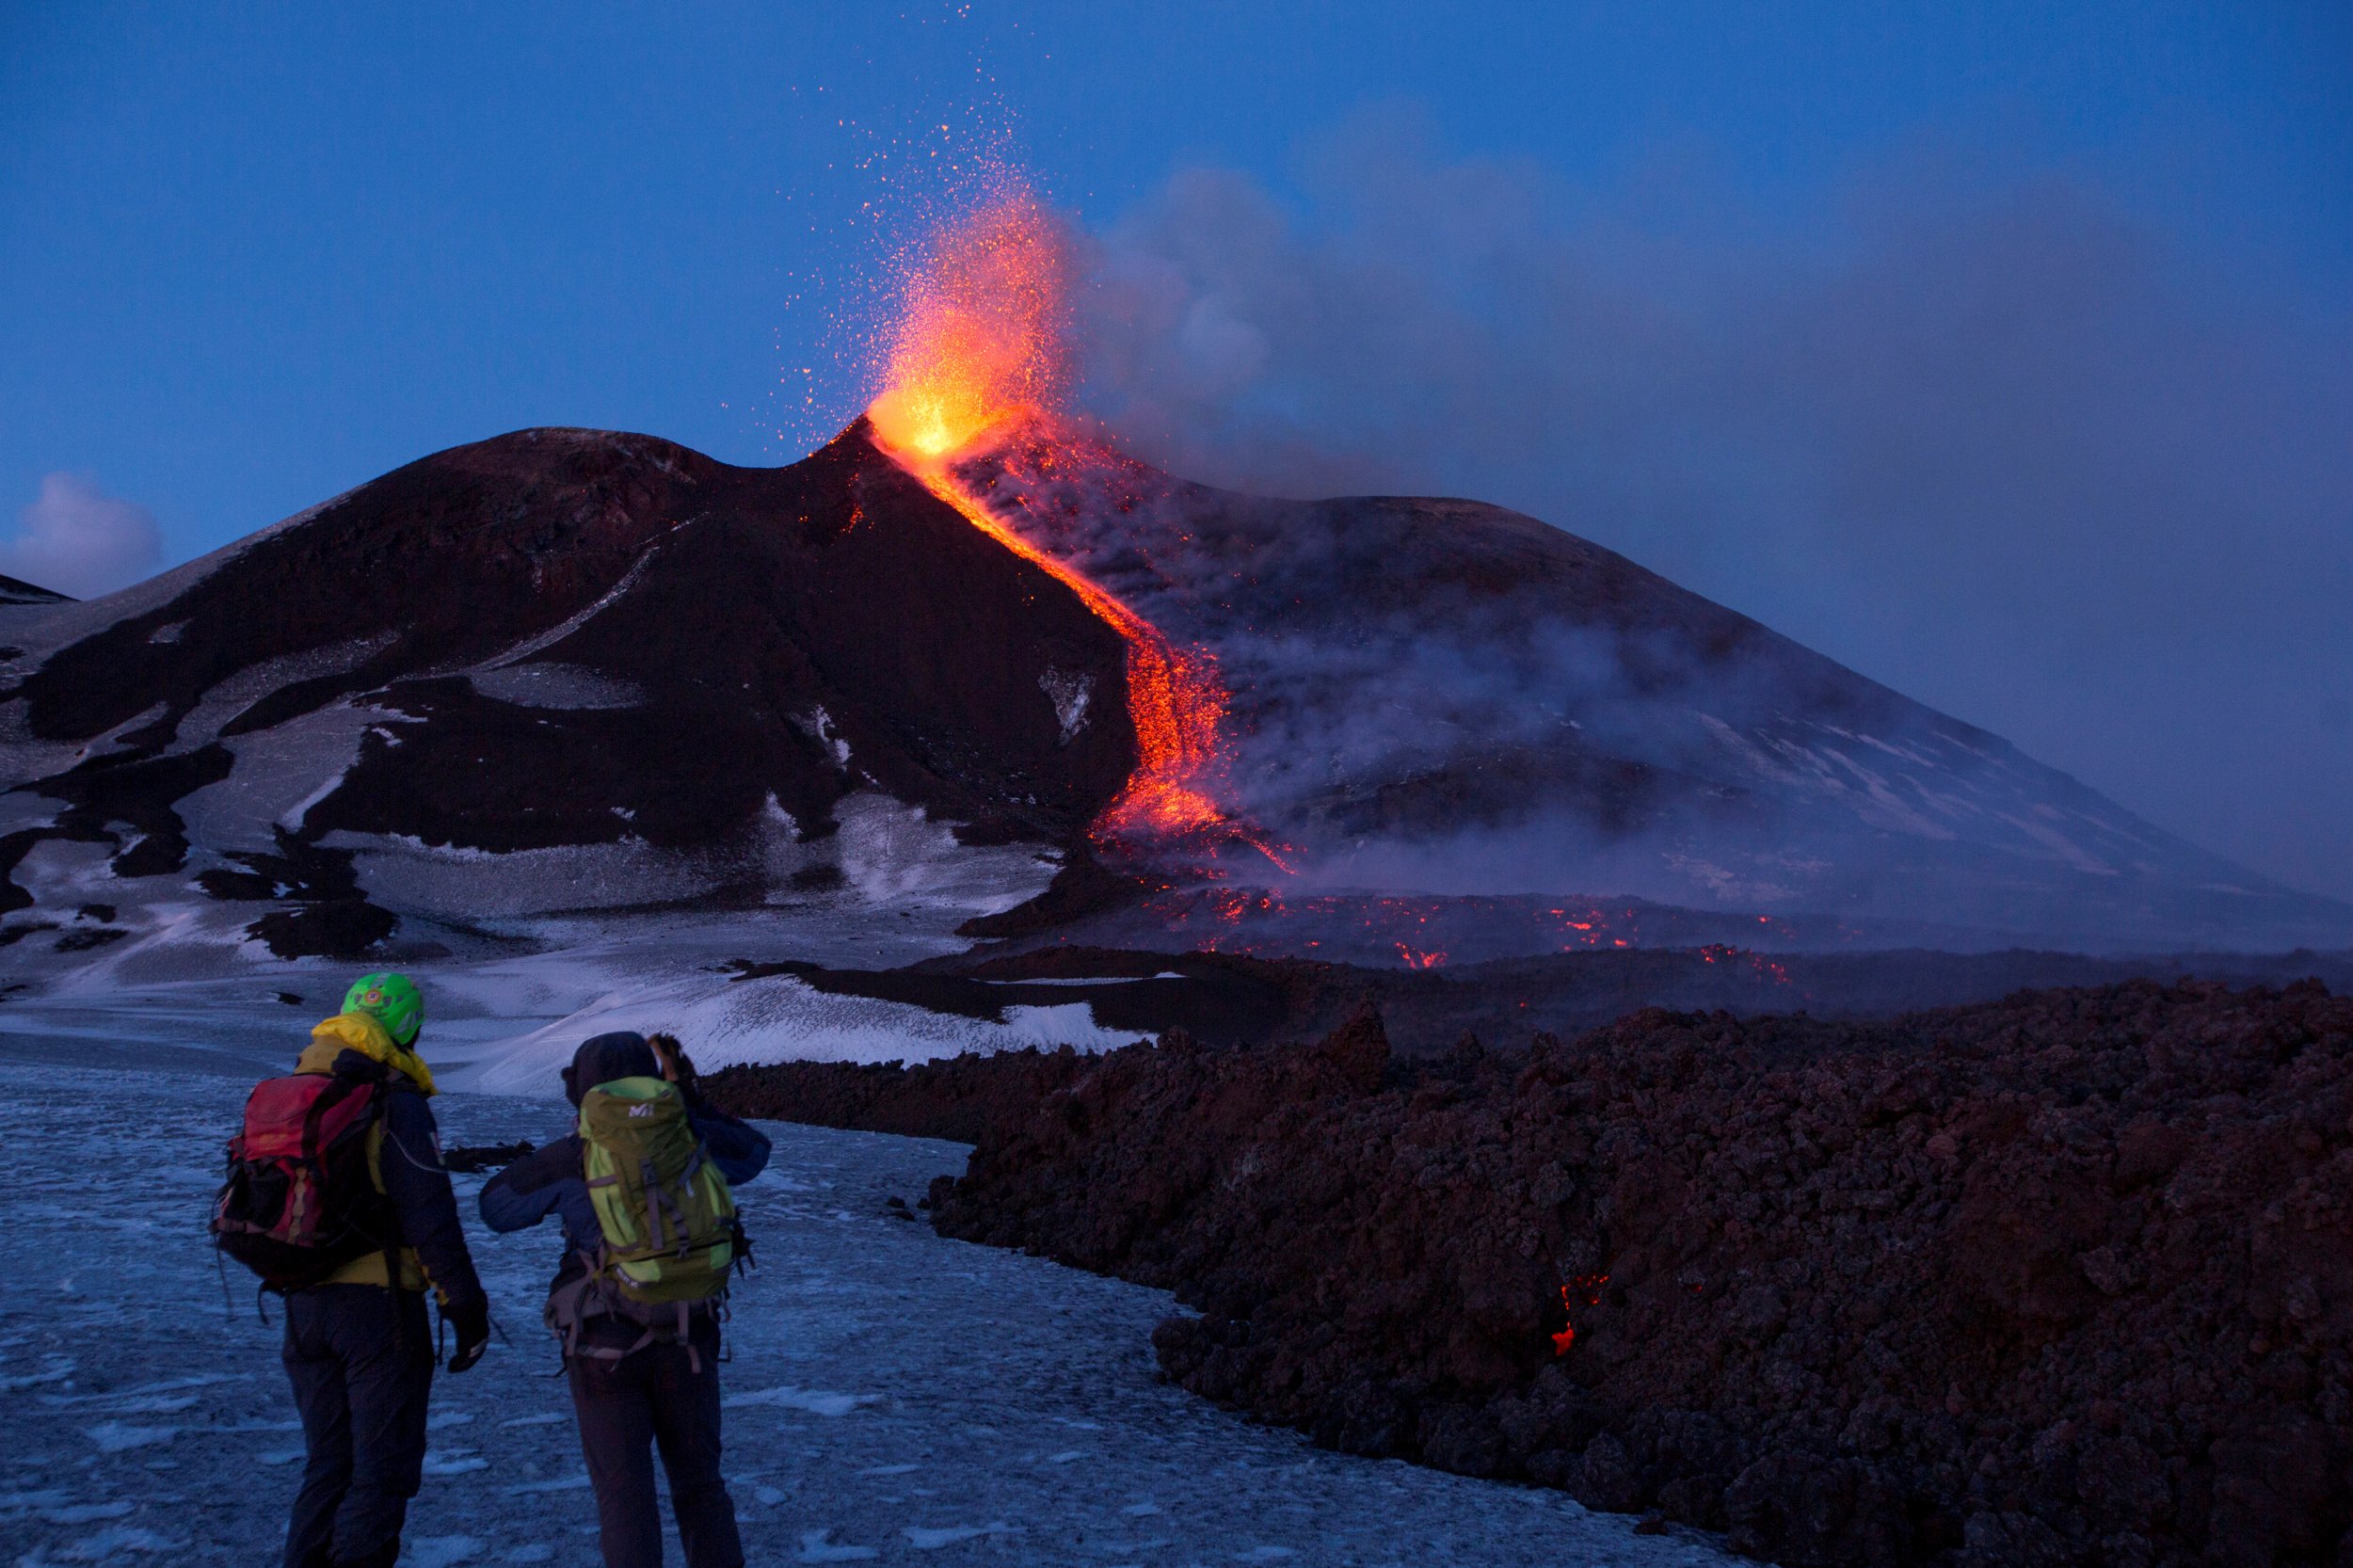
column 2063, row 1279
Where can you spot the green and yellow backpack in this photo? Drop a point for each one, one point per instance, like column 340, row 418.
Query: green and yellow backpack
column 671, row 1237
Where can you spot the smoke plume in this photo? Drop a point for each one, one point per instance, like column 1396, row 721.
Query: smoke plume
column 78, row 540
column 1992, row 440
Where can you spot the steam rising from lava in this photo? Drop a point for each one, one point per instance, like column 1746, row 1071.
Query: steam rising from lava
column 980, row 355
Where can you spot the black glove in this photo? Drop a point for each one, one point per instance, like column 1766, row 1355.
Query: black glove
column 676, row 1065
column 473, row 1322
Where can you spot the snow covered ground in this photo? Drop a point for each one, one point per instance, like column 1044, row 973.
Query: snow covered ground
column 506, row 1011
column 895, row 1397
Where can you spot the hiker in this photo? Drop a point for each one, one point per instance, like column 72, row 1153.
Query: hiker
column 337, row 1197
column 637, row 1313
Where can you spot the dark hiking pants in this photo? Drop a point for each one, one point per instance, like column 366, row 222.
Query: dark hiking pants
column 654, row 1397
column 361, row 1358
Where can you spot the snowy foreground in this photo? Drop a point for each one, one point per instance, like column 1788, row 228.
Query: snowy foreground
column 893, row 1397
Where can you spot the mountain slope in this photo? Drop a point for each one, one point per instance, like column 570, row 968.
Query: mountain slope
column 15, row 590
column 570, row 669
column 1445, row 696
column 561, row 640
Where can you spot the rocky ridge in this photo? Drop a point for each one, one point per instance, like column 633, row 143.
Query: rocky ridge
column 2066, row 1279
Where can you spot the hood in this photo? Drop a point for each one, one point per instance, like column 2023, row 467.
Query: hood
column 605, row 1057
column 357, row 1031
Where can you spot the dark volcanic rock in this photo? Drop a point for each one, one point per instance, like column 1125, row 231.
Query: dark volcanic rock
column 671, row 673
column 1232, row 999
column 344, row 928
column 15, row 590
column 476, row 1157
column 1224, row 1000
column 569, row 638
column 2065, row 1279
column 727, row 604
column 959, row 1098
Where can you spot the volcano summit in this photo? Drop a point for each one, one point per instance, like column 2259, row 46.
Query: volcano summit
column 568, row 670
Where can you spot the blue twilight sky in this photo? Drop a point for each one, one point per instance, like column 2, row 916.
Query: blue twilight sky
column 1999, row 351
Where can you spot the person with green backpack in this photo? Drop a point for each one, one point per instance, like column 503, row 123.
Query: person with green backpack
column 643, row 1186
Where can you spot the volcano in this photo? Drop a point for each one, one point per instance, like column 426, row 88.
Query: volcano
column 569, row 669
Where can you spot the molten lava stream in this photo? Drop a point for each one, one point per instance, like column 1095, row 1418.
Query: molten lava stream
column 979, row 349
column 1175, row 702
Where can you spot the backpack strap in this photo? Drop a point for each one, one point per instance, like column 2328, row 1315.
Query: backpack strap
column 654, row 1203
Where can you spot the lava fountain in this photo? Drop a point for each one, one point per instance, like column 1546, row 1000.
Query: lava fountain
column 979, row 353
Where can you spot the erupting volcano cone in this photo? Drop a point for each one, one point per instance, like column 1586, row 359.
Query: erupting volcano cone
column 598, row 671
column 978, row 362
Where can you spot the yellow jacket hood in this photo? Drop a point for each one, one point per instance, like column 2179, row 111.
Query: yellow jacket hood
column 359, row 1032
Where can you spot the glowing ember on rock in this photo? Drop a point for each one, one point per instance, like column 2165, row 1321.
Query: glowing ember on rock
column 1587, row 1285
column 980, row 352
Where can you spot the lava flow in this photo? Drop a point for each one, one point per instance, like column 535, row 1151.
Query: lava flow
column 979, row 353
column 1587, row 1285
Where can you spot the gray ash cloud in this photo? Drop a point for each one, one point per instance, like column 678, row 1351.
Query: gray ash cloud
column 1981, row 433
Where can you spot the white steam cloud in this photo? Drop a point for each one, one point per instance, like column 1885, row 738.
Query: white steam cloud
column 78, row 540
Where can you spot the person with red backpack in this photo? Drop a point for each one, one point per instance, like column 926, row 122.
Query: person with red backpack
column 338, row 1199
column 643, row 1187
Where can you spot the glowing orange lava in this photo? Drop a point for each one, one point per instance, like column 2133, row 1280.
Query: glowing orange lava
column 1587, row 1285
column 981, row 339
column 979, row 351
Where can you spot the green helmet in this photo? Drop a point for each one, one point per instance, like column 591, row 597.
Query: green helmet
column 392, row 1000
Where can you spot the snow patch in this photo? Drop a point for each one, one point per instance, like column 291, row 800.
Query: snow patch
column 225, row 699
column 24, row 757
column 114, row 1437
column 22, row 809
column 558, row 687
column 277, row 776
column 774, row 1019
column 929, row 1540
column 107, row 1543
column 291, row 820
column 818, row 726
column 810, row 1399
column 555, row 635
column 1069, row 694
column 2062, row 848
column 890, row 854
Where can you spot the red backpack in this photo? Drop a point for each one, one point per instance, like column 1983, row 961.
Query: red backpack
column 299, row 1202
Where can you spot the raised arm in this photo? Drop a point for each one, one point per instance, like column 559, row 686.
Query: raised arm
column 738, row 1150
column 531, row 1188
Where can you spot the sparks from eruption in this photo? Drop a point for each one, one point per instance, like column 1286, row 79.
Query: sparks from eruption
column 980, row 350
